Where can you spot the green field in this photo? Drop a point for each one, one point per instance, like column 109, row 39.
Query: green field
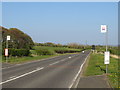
column 55, row 48
column 96, row 66
column 44, row 52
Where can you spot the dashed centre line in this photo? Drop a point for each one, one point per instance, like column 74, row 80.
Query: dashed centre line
column 28, row 73
column 54, row 63
column 58, row 61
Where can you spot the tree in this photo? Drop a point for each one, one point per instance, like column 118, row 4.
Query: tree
column 19, row 40
column 75, row 45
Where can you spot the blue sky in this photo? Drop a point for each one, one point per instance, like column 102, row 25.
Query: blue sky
column 63, row 22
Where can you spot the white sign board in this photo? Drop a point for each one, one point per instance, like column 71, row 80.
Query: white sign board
column 6, row 51
column 8, row 37
column 107, row 57
column 103, row 28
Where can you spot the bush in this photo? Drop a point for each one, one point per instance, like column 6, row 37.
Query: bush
column 113, row 51
column 43, row 51
column 61, row 51
column 19, row 52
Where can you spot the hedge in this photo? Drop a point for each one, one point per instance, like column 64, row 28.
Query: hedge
column 19, row 52
column 44, row 52
column 61, row 51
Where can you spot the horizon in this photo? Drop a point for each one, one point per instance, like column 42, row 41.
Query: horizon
column 66, row 43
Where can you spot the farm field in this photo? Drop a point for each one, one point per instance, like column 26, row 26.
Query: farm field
column 41, row 52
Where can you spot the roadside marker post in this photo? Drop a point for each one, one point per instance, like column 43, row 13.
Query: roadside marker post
column 107, row 59
column 104, row 29
column 6, row 50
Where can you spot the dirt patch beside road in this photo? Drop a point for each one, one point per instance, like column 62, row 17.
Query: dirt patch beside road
column 115, row 56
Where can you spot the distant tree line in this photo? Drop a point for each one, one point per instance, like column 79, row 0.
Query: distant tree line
column 69, row 45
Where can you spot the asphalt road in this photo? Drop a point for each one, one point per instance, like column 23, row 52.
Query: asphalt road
column 57, row 72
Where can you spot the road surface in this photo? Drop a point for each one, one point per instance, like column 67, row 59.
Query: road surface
column 57, row 72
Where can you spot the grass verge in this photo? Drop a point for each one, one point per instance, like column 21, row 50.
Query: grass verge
column 16, row 60
column 96, row 66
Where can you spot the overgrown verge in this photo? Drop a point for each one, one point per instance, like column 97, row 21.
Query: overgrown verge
column 16, row 60
column 96, row 66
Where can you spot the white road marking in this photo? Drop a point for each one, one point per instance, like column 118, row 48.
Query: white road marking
column 30, row 62
column 57, row 62
column 54, row 63
column 6, row 67
column 78, row 73
column 38, row 69
column 64, row 59
column 12, row 77
column 69, row 57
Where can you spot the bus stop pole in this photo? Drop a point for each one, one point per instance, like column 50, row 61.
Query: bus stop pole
column 7, row 48
column 106, row 36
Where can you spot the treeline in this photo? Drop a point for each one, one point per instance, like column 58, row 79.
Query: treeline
column 53, row 52
column 50, row 48
column 69, row 45
column 19, row 40
column 46, row 50
column 19, row 43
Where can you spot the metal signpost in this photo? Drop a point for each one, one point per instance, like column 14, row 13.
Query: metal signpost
column 107, row 53
column 6, row 50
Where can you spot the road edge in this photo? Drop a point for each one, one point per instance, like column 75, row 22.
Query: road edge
column 75, row 84
column 14, row 65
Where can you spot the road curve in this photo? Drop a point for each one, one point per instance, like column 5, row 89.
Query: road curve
column 58, row 72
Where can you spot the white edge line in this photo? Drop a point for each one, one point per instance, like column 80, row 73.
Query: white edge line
column 78, row 72
column 38, row 69
column 12, row 77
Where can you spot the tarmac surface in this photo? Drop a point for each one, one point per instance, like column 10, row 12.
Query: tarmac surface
column 98, row 81
column 57, row 72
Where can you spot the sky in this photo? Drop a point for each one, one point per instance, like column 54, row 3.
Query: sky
column 63, row 22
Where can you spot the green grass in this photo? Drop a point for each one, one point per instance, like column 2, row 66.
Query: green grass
column 96, row 66
column 93, row 65
column 55, row 48
column 47, row 50
column 113, row 50
column 15, row 60
column 35, row 56
column 113, row 72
